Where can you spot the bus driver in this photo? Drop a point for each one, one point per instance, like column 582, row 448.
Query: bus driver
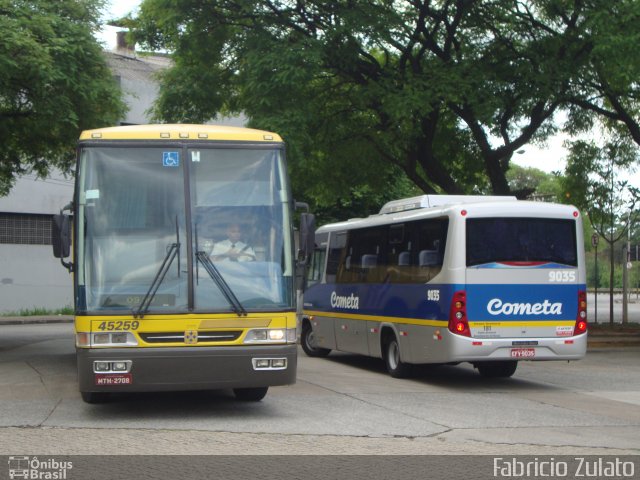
column 232, row 249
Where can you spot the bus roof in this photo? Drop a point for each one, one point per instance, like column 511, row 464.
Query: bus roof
column 180, row 132
column 426, row 201
column 488, row 206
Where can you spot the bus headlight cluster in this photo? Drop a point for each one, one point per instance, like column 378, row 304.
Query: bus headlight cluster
column 271, row 335
column 269, row 363
column 112, row 366
column 106, row 339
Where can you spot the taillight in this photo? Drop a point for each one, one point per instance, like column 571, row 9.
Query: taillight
column 581, row 318
column 458, row 323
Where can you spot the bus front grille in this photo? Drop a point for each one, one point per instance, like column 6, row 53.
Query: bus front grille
column 178, row 337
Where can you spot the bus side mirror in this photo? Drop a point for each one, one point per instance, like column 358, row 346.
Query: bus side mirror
column 61, row 235
column 307, row 237
column 61, row 238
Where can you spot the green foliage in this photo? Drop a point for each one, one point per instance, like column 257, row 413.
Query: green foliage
column 39, row 312
column 358, row 86
column 595, row 182
column 527, row 182
column 54, row 82
column 605, row 87
column 444, row 92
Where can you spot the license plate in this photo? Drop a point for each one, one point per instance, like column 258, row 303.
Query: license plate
column 113, row 379
column 523, row 352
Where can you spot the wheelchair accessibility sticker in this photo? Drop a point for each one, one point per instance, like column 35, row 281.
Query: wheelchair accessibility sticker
column 170, row 159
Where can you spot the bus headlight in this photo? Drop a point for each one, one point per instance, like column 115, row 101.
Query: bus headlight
column 270, row 335
column 104, row 339
column 112, row 366
column 276, row 334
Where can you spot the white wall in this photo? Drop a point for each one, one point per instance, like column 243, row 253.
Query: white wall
column 30, row 277
column 30, row 195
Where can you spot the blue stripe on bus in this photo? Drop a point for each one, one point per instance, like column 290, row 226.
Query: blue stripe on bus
column 485, row 302
column 522, row 302
column 388, row 300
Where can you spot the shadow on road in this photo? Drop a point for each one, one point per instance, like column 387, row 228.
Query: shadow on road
column 460, row 377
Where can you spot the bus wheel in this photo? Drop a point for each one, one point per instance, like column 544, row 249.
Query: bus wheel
column 497, row 369
column 94, row 397
column 308, row 341
column 250, row 394
column 396, row 367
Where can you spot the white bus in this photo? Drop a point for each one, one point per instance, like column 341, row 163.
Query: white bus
column 443, row 279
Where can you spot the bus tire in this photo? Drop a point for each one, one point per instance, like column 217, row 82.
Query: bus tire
column 250, row 394
column 94, row 397
column 396, row 367
column 307, row 340
column 501, row 369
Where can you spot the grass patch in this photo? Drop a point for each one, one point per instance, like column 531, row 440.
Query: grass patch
column 39, row 312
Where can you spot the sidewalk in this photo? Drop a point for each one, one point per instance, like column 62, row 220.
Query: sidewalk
column 600, row 336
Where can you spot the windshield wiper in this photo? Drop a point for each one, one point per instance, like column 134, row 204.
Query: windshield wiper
column 219, row 280
column 143, row 308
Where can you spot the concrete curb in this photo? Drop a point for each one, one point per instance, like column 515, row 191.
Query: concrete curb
column 606, row 342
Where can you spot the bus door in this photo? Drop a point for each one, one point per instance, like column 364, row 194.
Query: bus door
column 523, row 278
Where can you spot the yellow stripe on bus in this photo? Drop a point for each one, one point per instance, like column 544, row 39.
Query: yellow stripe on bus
column 179, row 322
column 378, row 318
column 442, row 323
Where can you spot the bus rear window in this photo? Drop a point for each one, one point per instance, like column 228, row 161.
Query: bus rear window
column 521, row 240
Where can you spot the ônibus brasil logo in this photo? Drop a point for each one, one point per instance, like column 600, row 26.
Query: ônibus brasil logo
column 38, row 469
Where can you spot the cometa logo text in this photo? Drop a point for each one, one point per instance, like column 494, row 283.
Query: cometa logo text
column 497, row 307
column 351, row 302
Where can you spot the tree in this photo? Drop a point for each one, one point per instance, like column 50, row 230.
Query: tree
column 533, row 183
column 592, row 182
column 444, row 91
column 54, row 82
column 606, row 87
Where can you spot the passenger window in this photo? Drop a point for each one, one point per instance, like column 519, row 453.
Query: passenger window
column 314, row 273
column 337, row 250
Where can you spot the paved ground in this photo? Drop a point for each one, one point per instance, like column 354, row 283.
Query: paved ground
column 341, row 404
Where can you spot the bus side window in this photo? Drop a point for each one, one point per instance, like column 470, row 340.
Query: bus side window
column 337, row 251
column 314, row 273
column 432, row 239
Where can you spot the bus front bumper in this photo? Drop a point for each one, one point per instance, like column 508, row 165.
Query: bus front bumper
column 186, row 368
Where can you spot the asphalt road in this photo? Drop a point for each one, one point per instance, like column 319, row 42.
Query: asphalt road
column 344, row 404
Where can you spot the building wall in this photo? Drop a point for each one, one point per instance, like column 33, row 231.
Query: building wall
column 30, row 277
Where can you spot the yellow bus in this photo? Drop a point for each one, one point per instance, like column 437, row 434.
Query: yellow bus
column 183, row 260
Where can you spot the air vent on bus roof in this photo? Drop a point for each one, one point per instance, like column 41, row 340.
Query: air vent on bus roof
column 426, row 201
